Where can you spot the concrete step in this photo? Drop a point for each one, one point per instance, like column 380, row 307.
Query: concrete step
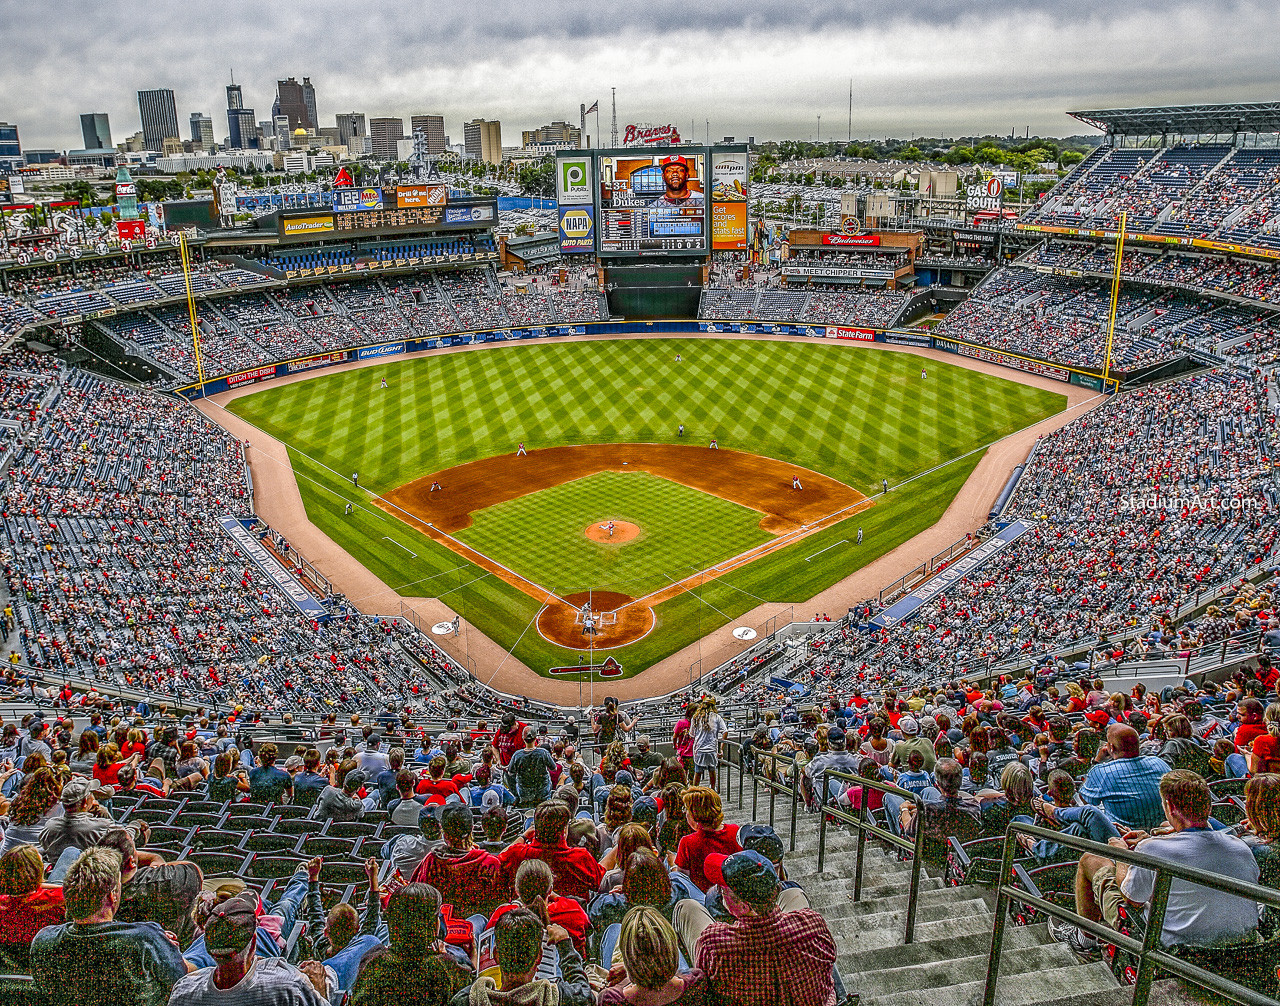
column 894, row 902
column 1053, row 986
column 894, row 920
column 1163, row 993
column 935, row 946
column 888, row 930
column 960, row 970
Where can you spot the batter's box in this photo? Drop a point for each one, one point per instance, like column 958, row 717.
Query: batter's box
column 600, row 618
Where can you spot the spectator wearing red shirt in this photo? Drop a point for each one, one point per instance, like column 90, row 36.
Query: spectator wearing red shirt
column 535, row 889
column 509, row 739
column 27, row 905
column 710, row 836
column 465, row 875
column 435, row 784
column 682, row 740
column 776, row 950
column 1251, row 726
column 1265, row 754
column 575, row 870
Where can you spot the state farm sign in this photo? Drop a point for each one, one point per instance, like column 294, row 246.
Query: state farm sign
column 633, row 135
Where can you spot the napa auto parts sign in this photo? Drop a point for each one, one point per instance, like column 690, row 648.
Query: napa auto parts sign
column 643, row 135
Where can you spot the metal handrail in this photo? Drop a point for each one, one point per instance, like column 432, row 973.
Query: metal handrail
column 1148, row 951
column 863, row 822
column 774, row 787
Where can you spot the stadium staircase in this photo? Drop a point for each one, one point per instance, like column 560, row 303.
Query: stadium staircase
column 946, row 964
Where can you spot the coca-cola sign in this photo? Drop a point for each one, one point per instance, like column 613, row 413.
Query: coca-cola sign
column 634, row 135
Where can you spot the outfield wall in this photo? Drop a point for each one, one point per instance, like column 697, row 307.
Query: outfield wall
column 895, row 337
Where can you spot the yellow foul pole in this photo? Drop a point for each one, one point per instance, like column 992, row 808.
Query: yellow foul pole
column 1115, row 296
column 191, row 306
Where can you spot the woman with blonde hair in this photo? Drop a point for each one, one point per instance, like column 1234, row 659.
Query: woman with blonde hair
column 1264, row 753
column 650, row 954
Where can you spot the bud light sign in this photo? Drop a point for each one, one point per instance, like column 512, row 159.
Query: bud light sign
column 390, row 349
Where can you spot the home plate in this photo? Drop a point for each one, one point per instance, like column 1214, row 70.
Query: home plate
column 744, row 633
column 442, row 628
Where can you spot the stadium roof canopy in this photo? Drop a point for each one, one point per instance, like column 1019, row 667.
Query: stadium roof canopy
column 1186, row 120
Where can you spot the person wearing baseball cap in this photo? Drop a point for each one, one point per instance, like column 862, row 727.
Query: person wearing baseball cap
column 768, row 954
column 912, row 741
column 675, row 173
column 230, row 937
column 82, row 824
column 837, row 759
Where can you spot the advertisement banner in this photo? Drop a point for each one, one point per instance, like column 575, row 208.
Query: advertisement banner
column 573, row 180
column 371, row 352
column 468, row 214
column 421, row 195
column 653, row 203
column 1004, row 359
column 250, row 376
column 909, row 340
column 577, row 228
column 302, row 226
column 834, row 270
column 852, row 240
column 131, row 230
column 311, row 362
column 729, row 180
column 860, row 334
column 957, row 571
column 272, row 568
column 350, row 200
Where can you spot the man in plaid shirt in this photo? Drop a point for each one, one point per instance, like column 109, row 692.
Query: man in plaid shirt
column 769, row 956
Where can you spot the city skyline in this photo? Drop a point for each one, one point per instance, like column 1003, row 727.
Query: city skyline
column 936, row 69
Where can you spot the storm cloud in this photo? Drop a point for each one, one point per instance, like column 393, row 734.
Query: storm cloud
column 767, row 69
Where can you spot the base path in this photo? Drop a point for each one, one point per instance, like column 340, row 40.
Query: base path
column 279, row 503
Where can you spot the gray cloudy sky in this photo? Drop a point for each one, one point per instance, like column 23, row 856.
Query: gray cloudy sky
column 767, row 68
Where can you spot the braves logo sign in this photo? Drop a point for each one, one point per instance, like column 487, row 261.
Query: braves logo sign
column 650, row 134
column 609, row 669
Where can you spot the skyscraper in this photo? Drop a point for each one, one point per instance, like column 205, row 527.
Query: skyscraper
column 97, row 131
column 235, row 95
column 482, row 139
column 351, row 129
column 202, row 130
column 242, row 126
column 433, row 127
column 10, row 146
column 159, row 113
column 297, row 101
column 384, row 134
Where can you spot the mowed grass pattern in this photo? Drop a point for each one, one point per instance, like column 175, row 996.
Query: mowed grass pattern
column 858, row 415
column 540, row 536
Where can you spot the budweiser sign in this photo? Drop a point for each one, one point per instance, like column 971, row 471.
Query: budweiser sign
column 852, row 240
column 650, row 134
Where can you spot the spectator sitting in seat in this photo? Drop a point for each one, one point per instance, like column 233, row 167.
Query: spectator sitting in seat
column 407, row 851
column 93, row 958
column 947, row 811
column 436, row 785
column 1195, row 916
column 83, row 822
column 227, row 780
column 163, row 893
column 1087, row 821
column 239, row 975
column 343, row 938
column 385, row 781
column 650, row 964
column 535, row 891
column 493, row 823
column 1260, row 831
column 405, row 807
column 1127, row 786
column 836, row 758
column 34, row 806
column 268, row 784
column 778, row 949
column 415, row 968
column 342, row 804
column 310, row 782
column 711, row 835
column 911, row 741
column 531, row 769
column 576, row 872
column 27, row 905
column 467, row 877
column 518, row 939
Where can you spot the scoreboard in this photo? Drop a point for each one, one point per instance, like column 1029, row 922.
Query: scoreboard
column 409, row 216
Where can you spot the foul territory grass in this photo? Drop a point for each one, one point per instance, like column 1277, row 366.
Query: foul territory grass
column 856, row 414
column 540, row 536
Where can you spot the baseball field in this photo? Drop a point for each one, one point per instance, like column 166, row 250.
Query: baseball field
column 444, row 507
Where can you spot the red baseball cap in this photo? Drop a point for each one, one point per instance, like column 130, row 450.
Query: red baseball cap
column 675, row 159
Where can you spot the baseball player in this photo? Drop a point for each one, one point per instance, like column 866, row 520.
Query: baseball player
column 347, row 511
column 384, row 382
column 714, row 446
column 859, row 536
column 457, row 623
column 435, row 487
column 923, row 375
column 795, row 482
column 609, row 526
column 355, row 478
column 884, row 485
column 680, row 432
column 520, row 451
column 677, row 358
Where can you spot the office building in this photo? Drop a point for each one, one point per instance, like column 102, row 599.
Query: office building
column 297, row 101
column 432, row 126
column 556, row 133
column 482, row 139
column 235, row 95
column 159, row 113
column 96, row 130
column 10, row 147
column 202, row 130
column 384, row 134
column 282, row 131
column 351, row 130
column 242, row 130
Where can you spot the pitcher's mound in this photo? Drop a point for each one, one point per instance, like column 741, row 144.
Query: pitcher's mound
column 623, row 531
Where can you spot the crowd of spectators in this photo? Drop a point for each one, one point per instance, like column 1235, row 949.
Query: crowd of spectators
column 822, row 304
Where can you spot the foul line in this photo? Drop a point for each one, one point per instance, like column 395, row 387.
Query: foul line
column 842, row 541
column 405, row 547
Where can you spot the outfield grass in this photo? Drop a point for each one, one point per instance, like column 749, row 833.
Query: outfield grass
column 540, row 536
column 850, row 412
